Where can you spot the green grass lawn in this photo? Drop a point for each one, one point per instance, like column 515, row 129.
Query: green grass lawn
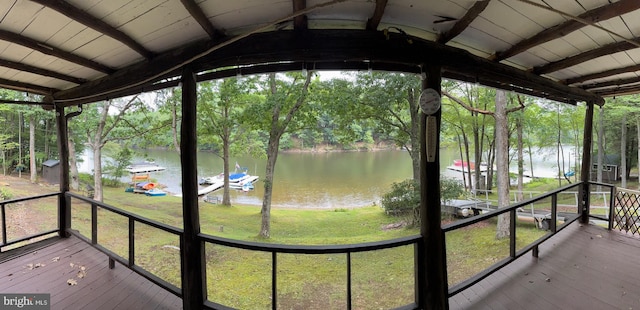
column 242, row 279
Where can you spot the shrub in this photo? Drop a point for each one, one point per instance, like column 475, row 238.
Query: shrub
column 404, row 198
column 5, row 193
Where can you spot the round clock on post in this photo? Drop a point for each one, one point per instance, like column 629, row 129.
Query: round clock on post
column 429, row 101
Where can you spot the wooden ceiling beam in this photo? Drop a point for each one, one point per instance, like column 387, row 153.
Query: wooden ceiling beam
column 300, row 22
column 96, row 24
column 40, row 71
column 196, row 12
column 618, row 91
column 619, row 83
column 464, row 22
column 374, row 21
column 317, row 45
column 593, row 16
column 53, row 51
column 31, row 88
column 599, row 75
column 586, row 56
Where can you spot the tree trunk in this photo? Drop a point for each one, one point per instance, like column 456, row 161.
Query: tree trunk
column 272, row 156
column 638, row 133
column 73, row 164
column 530, row 158
column 464, row 177
column 174, row 124
column 32, row 149
column 502, row 158
column 519, row 130
column 467, row 159
column 226, row 195
column 414, row 135
column 97, row 173
column 46, row 139
column 20, row 144
column 492, row 161
column 623, row 151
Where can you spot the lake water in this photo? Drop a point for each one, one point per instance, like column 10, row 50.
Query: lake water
column 314, row 180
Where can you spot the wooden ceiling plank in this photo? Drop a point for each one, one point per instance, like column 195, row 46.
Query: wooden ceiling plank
column 53, row 51
column 300, row 22
column 593, row 16
column 464, row 22
column 374, row 21
column 40, row 71
column 197, row 14
column 586, row 56
column 88, row 20
column 602, row 74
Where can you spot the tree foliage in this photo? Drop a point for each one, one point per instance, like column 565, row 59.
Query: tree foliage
column 403, row 199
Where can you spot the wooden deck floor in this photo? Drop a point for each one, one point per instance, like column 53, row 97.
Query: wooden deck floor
column 48, row 269
column 583, row 267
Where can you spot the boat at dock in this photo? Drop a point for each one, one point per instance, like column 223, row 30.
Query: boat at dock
column 463, row 166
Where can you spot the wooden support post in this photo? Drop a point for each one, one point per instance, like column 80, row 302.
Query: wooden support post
column 431, row 273
column 192, row 250
column 583, row 202
column 64, row 205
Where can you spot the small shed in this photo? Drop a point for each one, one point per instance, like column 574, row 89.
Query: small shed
column 51, row 171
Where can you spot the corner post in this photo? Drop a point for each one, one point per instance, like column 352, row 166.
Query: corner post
column 64, row 206
column 431, row 273
column 583, row 203
column 192, row 249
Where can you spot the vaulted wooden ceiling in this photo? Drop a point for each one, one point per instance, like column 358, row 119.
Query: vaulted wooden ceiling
column 79, row 51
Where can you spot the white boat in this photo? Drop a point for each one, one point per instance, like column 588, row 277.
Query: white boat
column 244, row 182
column 235, row 179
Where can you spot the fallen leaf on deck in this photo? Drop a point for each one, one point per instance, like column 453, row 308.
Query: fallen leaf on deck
column 83, row 268
column 30, row 266
column 81, row 274
column 72, row 265
column 72, row 282
column 55, row 259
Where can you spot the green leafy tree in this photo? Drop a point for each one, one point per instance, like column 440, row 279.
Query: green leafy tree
column 220, row 109
column 282, row 110
column 121, row 157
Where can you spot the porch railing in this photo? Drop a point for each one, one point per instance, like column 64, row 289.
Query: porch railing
column 513, row 252
column 347, row 250
column 3, row 213
column 274, row 250
column 625, row 211
column 132, row 219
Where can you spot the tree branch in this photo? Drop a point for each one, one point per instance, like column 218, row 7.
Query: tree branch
column 466, row 106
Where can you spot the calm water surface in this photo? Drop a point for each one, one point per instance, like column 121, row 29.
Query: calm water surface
column 309, row 180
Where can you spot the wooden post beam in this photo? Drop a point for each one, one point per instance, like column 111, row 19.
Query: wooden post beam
column 431, row 259
column 586, row 164
column 192, row 249
column 64, row 207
